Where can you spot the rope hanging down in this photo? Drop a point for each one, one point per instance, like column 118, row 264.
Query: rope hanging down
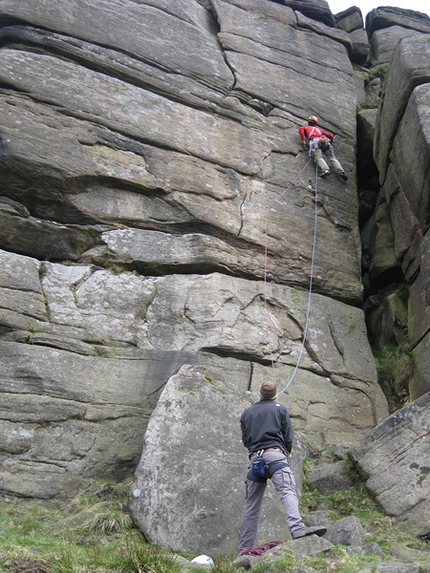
column 310, row 279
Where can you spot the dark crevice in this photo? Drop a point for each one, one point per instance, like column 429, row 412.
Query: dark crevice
column 247, row 99
column 237, row 355
column 251, row 374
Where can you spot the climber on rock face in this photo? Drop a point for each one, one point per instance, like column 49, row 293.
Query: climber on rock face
column 319, row 142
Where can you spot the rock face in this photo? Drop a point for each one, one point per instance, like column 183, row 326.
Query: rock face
column 157, row 217
column 393, row 459
column 397, row 231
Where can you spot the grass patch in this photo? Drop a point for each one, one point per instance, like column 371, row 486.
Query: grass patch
column 395, row 367
column 378, row 72
column 94, row 533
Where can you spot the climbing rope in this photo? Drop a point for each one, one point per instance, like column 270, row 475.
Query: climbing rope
column 308, row 310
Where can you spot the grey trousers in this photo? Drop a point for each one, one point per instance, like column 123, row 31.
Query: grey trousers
column 317, row 153
column 285, row 486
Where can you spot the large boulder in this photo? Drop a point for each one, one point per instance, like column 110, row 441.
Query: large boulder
column 419, row 324
column 392, row 459
column 385, row 41
column 410, row 67
column 388, row 16
column 351, row 20
column 413, row 141
column 188, row 492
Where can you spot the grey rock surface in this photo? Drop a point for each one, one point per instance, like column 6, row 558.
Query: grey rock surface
column 329, row 478
column 401, row 483
column 346, row 531
column 385, row 41
column 409, row 68
column 388, row 16
column 187, row 491
column 156, row 213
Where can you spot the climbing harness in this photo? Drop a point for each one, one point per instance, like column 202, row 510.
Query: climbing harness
column 310, row 279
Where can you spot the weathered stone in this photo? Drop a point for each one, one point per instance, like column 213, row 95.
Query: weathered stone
column 381, row 244
column 372, row 548
column 153, row 31
column 366, row 121
column 347, row 531
column 373, row 94
column 15, row 438
column 360, row 47
column 419, row 323
column 45, row 240
column 419, row 385
column 38, row 480
column 81, row 416
column 87, row 305
column 19, row 273
column 246, row 561
column 304, row 546
column 317, row 518
column 409, row 68
column 316, row 9
column 191, row 184
column 329, row 478
column 420, row 296
column 350, row 19
column 405, row 224
column 387, row 16
column 255, row 61
column 392, row 459
column 324, row 30
column 409, row 555
column 390, row 567
column 104, row 100
column 179, row 471
column 413, row 141
column 384, row 42
column 158, row 161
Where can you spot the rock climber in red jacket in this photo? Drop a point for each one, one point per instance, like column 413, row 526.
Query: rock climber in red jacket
column 319, row 142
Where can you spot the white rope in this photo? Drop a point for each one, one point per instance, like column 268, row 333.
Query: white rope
column 266, row 254
column 308, row 311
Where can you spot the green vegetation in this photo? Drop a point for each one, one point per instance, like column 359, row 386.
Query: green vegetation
column 32, row 329
column 378, row 72
column 387, row 325
column 209, row 376
column 395, row 366
column 41, row 270
column 94, row 533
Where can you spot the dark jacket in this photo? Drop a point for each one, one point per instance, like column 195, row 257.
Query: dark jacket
column 266, row 424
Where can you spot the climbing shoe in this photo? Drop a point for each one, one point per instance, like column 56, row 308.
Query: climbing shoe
column 319, row 530
column 342, row 175
column 325, row 173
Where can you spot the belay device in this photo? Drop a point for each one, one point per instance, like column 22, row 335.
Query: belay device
column 257, row 465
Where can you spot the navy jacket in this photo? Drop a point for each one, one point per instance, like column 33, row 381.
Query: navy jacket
column 266, row 424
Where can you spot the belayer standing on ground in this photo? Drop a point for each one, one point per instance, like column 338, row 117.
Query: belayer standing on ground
column 319, row 142
column 266, row 430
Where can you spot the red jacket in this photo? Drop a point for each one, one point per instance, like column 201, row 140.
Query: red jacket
column 308, row 132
